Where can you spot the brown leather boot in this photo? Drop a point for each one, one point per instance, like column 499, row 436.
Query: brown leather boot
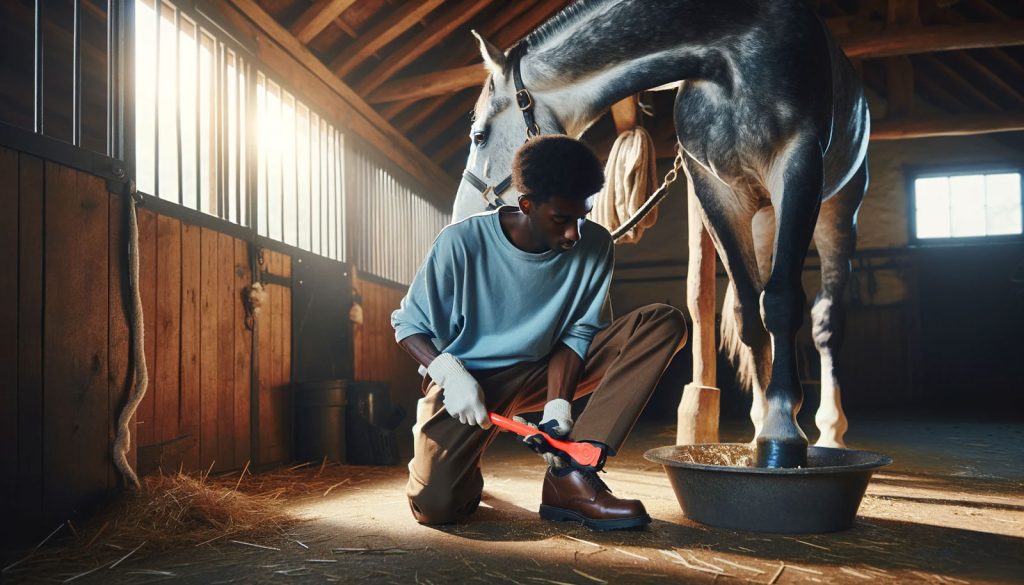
column 581, row 496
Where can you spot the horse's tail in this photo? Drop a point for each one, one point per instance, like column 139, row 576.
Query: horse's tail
column 738, row 353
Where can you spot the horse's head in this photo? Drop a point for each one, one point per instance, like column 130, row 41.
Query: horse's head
column 502, row 120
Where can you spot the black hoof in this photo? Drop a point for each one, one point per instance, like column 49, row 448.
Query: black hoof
column 776, row 453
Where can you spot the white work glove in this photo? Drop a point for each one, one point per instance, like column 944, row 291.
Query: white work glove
column 463, row 396
column 557, row 417
column 551, row 459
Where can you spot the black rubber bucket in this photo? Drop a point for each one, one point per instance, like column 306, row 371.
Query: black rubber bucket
column 371, row 423
column 715, row 485
column 320, row 420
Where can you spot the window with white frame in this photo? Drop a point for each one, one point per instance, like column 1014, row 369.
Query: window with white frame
column 216, row 134
column 967, row 205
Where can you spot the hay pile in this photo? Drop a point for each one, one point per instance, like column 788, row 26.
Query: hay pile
column 177, row 510
column 170, row 511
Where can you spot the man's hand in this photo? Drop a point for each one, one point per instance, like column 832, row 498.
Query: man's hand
column 557, row 419
column 538, row 444
column 463, row 396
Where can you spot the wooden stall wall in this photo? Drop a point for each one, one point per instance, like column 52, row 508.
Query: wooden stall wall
column 378, row 357
column 275, row 364
column 63, row 341
column 195, row 415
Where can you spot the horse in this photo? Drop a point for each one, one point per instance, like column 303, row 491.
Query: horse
column 773, row 126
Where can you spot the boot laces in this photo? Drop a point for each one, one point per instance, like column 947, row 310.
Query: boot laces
column 594, row 480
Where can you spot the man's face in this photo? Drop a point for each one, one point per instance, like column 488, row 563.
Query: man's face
column 557, row 221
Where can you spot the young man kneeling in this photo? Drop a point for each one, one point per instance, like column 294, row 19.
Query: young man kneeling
column 508, row 315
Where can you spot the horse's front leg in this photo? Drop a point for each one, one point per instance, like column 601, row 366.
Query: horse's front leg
column 796, row 195
column 836, row 238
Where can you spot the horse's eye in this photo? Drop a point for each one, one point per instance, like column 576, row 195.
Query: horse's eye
column 479, row 138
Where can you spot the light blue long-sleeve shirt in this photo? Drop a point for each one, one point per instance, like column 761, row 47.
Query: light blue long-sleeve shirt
column 491, row 304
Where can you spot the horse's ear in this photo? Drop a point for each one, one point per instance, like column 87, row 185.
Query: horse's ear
column 494, row 59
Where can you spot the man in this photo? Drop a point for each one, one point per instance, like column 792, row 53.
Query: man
column 506, row 314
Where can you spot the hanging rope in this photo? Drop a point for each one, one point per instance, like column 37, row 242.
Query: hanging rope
column 629, row 180
column 140, row 376
column 650, row 204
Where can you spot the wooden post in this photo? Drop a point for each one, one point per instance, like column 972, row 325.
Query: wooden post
column 699, row 407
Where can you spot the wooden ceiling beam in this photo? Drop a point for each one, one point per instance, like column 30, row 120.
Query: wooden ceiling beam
column 381, row 34
column 882, row 44
column 417, row 87
column 625, row 114
column 281, row 51
column 500, row 30
column 317, row 17
column 458, row 109
column 947, row 125
column 899, row 71
column 964, row 87
column 931, row 39
column 1009, row 92
column 453, row 17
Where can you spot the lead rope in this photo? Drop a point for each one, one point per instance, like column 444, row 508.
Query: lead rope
column 654, row 199
column 140, row 375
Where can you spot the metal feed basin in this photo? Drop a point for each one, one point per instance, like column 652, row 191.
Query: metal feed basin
column 716, row 485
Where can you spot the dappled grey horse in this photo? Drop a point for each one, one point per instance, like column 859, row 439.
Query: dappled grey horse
column 774, row 126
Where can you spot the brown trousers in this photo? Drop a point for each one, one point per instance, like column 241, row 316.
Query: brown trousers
column 623, row 366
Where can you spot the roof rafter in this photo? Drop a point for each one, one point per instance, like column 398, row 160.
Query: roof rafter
column 508, row 27
column 381, row 34
column 318, row 17
column 947, row 125
column 453, row 17
column 881, row 44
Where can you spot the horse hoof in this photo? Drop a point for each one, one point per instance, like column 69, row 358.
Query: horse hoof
column 786, row 454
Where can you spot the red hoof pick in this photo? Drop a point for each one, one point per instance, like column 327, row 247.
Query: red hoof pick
column 583, row 453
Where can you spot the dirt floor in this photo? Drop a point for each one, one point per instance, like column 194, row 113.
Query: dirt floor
column 949, row 510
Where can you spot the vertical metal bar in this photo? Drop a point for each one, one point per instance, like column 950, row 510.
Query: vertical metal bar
column 295, row 163
column 37, row 81
column 237, row 82
column 123, row 119
column 76, row 74
column 339, row 188
column 343, row 203
column 177, row 103
column 157, row 7
column 280, row 156
column 111, row 74
column 198, row 38
column 222, row 127
column 309, row 176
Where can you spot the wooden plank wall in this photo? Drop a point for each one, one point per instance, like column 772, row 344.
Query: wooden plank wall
column 64, row 345
column 275, row 365
column 379, row 358
column 63, row 341
column 195, row 415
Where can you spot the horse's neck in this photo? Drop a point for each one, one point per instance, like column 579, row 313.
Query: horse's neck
column 616, row 49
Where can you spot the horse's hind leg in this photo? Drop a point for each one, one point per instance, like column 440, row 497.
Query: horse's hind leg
column 729, row 216
column 836, row 238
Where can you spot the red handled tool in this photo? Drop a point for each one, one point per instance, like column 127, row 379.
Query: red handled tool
column 583, row 453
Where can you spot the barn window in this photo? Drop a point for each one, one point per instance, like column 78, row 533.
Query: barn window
column 967, row 205
column 216, row 134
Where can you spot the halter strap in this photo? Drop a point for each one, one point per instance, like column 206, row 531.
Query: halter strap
column 525, row 103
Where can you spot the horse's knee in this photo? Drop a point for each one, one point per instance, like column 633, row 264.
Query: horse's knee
column 783, row 307
column 748, row 325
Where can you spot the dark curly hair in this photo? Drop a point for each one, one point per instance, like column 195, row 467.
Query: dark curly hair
column 554, row 165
